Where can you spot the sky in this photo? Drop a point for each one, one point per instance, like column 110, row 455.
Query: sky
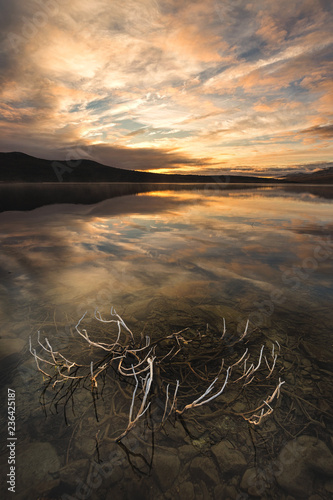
column 177, row 86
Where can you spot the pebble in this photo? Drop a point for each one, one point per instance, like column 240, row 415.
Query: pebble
column 166, row 468
column 205, row 491
column 204, row 467
column 186, row 491
column 306, row 363
column 176, row 433
column 227, row 457
column 255, row 482
column 229, row 493
column 187, row 452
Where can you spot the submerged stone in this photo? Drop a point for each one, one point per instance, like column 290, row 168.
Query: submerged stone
column 39, row 466
column 227, row 457
column 166, row 469
column 300, row 461
column 255, row 481
column 204, row 468
column 321, row 354
column 187, row 452
column 186, row 491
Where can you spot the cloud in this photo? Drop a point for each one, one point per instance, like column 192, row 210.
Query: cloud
column 223, row 79
column 144, row 158
column 270, row 32
column 321, row 131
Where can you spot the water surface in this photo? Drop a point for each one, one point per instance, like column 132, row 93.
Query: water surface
column 168, row 259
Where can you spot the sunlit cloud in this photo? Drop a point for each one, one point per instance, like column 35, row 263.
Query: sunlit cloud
column 169, row 86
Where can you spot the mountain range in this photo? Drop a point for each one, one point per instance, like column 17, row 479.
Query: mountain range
column 322, row 176
column 20, row 167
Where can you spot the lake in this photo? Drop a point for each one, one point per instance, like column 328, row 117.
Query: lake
column 195, row 259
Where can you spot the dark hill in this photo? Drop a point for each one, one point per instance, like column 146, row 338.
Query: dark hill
column 323, row 176
column 19, row 167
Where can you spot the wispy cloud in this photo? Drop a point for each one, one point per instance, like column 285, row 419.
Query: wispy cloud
column 181, row 86
column 324, row 131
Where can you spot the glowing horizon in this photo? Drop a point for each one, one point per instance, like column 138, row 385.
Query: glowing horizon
column 212, row 87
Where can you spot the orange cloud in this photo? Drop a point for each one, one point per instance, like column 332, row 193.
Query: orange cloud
column 270, row 32
column 227, row 81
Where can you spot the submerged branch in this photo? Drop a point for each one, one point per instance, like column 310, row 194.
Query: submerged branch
column 176, row 364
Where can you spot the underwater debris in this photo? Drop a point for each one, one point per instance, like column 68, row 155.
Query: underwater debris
column 169, row 371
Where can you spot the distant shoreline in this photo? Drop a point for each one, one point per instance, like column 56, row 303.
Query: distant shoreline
column 21, row 168
column 208, row 183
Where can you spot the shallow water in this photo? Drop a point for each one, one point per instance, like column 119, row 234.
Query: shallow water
column 168, row 259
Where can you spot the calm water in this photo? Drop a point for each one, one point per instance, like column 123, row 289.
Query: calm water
column 166, row 260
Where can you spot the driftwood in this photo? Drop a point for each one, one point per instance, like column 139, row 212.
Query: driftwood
column 185, row 369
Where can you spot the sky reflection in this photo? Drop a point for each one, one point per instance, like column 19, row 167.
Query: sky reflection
column 233, row 248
